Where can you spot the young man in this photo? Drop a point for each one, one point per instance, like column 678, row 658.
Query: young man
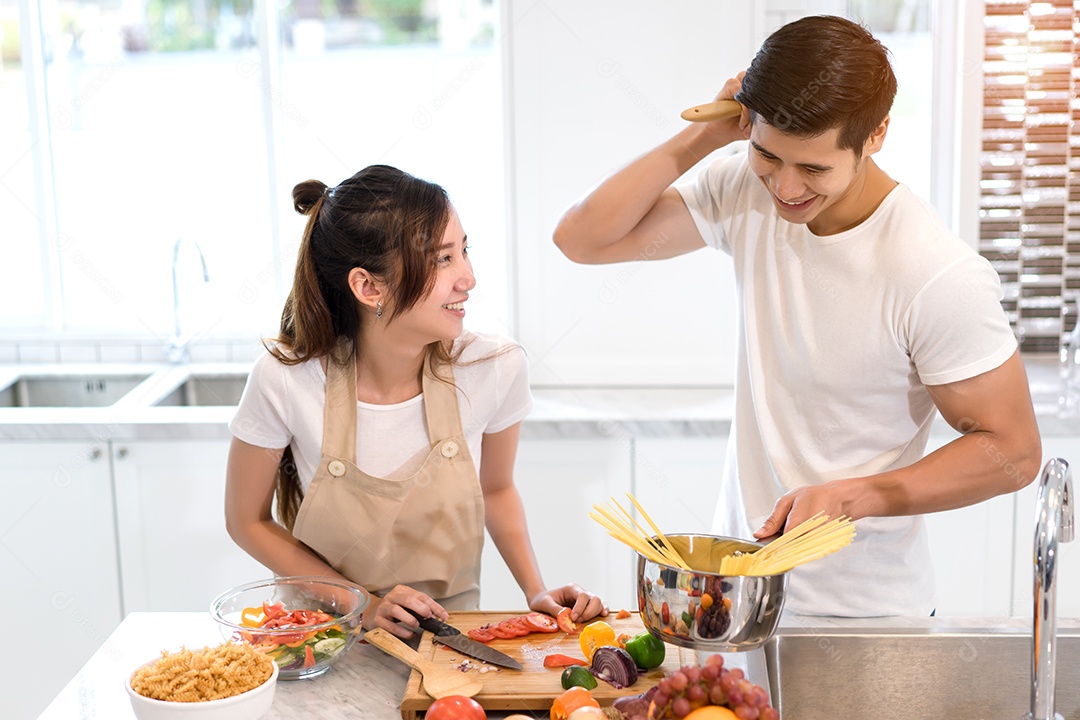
column 858, row 314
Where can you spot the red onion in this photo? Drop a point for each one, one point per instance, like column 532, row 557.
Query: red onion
column 614, row 665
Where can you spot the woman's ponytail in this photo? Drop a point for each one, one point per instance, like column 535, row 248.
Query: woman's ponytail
column 307, row 324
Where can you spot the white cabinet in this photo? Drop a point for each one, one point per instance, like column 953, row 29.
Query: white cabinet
column 972, row 549
column 559, row 480
column 58, row 563
column 983, row 554
column 677, row 481
column 174, row 551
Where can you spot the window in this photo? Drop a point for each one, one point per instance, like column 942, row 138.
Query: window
column 170, row 134
column 903, row 26
column 1029, row 211
column 20, row 206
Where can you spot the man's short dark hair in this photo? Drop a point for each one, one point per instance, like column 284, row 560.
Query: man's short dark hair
column 819, row 73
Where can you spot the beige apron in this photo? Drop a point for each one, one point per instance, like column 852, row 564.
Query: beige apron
column 425, row 531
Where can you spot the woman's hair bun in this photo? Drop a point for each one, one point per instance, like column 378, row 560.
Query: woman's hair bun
column 306, row 194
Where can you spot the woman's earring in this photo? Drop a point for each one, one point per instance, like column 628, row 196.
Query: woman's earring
column 378, row 310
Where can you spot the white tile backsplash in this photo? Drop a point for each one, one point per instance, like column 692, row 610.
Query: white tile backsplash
column 39, row 352
column 78, row 353
column 246, row 350
column 209, row 351
column 120, row 350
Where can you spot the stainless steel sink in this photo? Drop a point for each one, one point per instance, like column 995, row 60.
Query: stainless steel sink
column 206, row 389
column 81, row 389
column 955, row 675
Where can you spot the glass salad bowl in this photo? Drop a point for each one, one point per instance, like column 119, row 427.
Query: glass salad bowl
column 304, row 623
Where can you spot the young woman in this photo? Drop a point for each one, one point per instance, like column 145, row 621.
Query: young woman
column 386, row 433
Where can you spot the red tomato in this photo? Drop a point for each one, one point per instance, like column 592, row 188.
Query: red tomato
column 567, row 625
column 273, row 611
column 540, row 622
column 500, row 632
column 455, row 707
column 515, row 626
column 481, row 634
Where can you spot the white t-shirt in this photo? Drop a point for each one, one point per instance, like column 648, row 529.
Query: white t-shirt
column 283, row 405
column 837, row 338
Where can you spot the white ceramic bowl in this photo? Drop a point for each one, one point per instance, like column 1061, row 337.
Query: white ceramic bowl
column 250, row 705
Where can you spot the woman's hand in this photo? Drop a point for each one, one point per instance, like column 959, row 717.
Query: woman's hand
column 386, row 612
column 582, row 603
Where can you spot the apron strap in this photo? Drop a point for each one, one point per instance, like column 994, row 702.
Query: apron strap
column 339, row 415
column 441, row 403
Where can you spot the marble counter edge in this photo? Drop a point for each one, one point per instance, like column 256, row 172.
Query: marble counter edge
column 367, row 684
column 557, row 413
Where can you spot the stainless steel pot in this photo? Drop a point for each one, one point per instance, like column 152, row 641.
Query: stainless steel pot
column 702, row 610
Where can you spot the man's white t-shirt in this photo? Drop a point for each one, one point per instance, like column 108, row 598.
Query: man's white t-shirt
column 838, row 337
column 283, row 405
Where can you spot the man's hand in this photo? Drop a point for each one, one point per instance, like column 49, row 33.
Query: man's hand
column 800, row 505
column 732, row 129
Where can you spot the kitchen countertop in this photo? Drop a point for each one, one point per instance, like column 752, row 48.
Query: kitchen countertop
column 558, row 412
column 367, row 684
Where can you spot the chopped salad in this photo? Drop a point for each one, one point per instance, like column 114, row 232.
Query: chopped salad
column 293, row 650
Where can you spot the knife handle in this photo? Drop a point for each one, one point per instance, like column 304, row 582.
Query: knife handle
column 431, row 624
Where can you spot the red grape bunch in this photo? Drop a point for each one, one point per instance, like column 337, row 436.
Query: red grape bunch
column 691, row 687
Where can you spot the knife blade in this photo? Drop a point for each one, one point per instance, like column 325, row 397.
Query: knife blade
column 452, row 637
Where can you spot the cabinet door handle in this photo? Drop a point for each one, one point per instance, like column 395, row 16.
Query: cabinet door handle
column 121, row 452
column 93, row 453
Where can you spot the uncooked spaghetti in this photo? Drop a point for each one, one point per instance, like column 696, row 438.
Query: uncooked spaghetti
column 622, row 526
column 815, row 538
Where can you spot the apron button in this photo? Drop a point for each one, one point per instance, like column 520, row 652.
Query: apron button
column 449, row 449
column 336, row 468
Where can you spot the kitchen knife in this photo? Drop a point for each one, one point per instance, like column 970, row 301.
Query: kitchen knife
column 452, row 637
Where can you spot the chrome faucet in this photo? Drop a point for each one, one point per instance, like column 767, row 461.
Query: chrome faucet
column 178, row 344
column 1053, row 524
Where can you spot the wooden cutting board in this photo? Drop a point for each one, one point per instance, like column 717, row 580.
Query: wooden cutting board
column 534, row 687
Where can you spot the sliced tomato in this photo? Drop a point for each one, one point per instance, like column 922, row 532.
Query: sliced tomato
column 500, row 632
column 274, row 610
column 624, row 613
column 517, row 621
column 516, row 629
column 567, row 625
column 555, row 660
column 481, row 634
column 540, row 622
column 309, row 657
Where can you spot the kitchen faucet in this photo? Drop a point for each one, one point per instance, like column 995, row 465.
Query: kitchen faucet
column 1053, row 524
column 178, row 344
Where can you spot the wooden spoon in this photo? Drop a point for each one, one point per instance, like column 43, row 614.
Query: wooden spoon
column 712, row 111
column 438, row 682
